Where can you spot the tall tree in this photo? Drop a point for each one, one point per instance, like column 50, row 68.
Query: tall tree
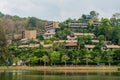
column 101, row 38
column 109, row 57
column 45, row 59
column 116, row 55
column 76, row 60
column 115, row 19
column 4, row 55
column 55, row 57
column 87, row 57
column 65, row 58
column 94, row 14
column 34, row 60
column 105, row 28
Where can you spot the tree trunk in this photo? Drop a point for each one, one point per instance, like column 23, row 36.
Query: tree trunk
column 86, row 63
column 29, row 62
column 51, row 64
column 54, row 64
column 44, row 63
column 40, row 62
column 109, row 64
column 97, row 64
column 65, row 63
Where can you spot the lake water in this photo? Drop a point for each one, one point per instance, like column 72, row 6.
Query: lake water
column 50, row 75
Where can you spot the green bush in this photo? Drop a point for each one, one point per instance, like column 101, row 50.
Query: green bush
column 47, row 42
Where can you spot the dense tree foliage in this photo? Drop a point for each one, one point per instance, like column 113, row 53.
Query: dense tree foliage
column 4, row 55
column 54, row 57
column 59, row 54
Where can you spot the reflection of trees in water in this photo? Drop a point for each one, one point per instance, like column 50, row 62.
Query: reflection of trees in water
column 53, row 75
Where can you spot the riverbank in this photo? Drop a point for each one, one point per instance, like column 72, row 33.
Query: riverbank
column 62, row 69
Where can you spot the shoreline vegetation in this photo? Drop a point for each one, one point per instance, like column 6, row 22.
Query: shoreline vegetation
column 64, row 68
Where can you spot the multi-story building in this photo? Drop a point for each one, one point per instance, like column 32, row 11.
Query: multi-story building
column 78, row 25
column 51, row 26
column 29, row 34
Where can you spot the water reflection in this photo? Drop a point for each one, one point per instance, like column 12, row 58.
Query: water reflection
column 51, row 75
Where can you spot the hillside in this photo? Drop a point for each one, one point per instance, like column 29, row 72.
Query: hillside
column 87, row 40
column 15, row 24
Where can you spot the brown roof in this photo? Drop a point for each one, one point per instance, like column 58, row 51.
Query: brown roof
column 28, row 46
column 22, row 46
column 71, row 44
column 47, row 45
column 67, row 41
column 75, row 41
column 112, row 46
column 85, row 34
column 95, row 41
column 89, row 46
column 59, row 41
